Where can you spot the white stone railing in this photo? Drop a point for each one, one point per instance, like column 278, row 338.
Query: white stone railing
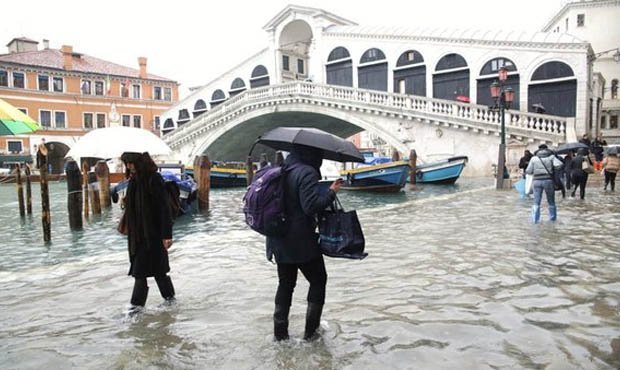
column 536, row 126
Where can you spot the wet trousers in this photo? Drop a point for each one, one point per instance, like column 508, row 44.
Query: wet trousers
column 580, row 180
column 547, row 186
column 141, row 289
column 314, row 271
column 610, row 179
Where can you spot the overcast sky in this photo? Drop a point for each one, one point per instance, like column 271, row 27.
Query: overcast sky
column 193, row 42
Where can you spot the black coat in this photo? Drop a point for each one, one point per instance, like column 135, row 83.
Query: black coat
column 149, row 222
column 303, row 202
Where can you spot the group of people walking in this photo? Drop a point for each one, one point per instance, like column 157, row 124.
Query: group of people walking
column 552, row 173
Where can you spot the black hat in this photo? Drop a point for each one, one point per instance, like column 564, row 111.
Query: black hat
column 543, row 146
column 131, row 157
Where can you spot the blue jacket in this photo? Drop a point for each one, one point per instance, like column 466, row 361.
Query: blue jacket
column 303, row 202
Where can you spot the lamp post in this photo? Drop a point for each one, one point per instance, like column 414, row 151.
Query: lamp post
column 502, row 99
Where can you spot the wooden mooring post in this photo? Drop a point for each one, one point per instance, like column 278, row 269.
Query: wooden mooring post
column 20, row 190
column 103, row 178
column 413, row 167
column 85, row 169
column 249, row 170
column 46, row 217
column 395, row 155
column 202, row 176
column 74, row 195
column 28, row 190
column 93, row 189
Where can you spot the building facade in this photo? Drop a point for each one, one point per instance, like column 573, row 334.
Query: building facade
column 596, row 21
column 70, row 93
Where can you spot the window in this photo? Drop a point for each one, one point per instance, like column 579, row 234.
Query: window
column 58, row 84
column 23, row 110
column 125, row 89
column 410, row 56
column 566, row 23
column 126, row 120
column 614, row 89
column 137, row 121
column 581, row 20
column 135, row 91
column 86, row 87
column 4, row 78
column 98, row 87
column 14, row 146
column 45, row 118
column 100, row 120
column 156, row 123
column 44, row 82
column 157, row 93
column 60, row 119
column 19, row 80
column 167, row 94
column 613, row 122
column 401, row 86
column 300, row 66
column 285, row 65
column 87, row 121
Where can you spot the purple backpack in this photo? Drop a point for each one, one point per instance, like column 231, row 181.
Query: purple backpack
column 263, row 202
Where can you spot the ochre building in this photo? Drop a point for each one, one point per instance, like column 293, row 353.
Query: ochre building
column 70, row 93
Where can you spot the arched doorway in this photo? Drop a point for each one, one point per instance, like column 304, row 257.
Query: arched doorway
column 372, row 72
column 451, row 78
column 488, row 74
column 294, row 45
column 56, row 152
column 260, row 77
column 199, row 107
column 237, row 87
column 217, row 98
column 168, row 126
column 410, row 74
column 554, row 87
column 339, row 68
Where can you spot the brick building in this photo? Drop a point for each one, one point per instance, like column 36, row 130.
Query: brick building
column 70, row 93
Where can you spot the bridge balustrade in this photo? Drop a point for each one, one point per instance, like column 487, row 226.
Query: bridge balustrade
column 536, row 126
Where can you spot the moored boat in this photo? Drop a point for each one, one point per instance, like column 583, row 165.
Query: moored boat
column 445, row 171
column 382, row 177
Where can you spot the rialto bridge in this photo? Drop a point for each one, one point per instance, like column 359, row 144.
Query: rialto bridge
column 415, row 89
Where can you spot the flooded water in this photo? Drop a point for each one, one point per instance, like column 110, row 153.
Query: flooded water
column 457, row 278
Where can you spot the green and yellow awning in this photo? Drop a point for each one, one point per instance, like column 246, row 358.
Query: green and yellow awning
column 15, row 122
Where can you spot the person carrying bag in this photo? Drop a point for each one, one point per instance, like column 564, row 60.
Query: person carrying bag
column 341, row 234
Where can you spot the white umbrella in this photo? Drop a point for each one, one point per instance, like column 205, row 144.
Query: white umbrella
column 111, row 142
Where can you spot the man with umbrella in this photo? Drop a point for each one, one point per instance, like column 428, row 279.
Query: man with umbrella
column 298, row 248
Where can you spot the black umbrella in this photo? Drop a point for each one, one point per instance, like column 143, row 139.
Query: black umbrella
column 612, row 149
column 539, row 108
column 334, row 147
column 570, row 147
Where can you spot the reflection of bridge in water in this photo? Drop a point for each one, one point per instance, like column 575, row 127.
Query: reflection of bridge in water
column 400, row 85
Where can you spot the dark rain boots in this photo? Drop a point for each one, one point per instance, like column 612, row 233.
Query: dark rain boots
column 140, row 293
column 280, row 322
column 164, row 283
column 313, row 320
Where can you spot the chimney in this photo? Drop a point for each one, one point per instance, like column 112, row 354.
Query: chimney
column 46, row 44
column 67, row 53
column 142, row 63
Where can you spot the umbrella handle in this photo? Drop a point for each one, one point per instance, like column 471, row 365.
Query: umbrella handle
column 252, row 147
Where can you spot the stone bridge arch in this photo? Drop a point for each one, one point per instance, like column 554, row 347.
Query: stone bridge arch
column 233, row 140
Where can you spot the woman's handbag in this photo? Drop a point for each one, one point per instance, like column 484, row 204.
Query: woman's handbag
column 122, row 225
column 341, row 233
column 586, row 166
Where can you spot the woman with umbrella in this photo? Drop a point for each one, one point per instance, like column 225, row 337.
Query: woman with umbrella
column 611, row 164
column 579, row 177
column 298, row 248
column 149, row 228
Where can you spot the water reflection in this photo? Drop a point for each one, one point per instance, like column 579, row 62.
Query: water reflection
column 457, row 277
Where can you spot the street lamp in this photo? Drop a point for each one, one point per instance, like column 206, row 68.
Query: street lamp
column 502, row 99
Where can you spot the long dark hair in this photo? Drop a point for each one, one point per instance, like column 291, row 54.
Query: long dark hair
column 143, row 163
